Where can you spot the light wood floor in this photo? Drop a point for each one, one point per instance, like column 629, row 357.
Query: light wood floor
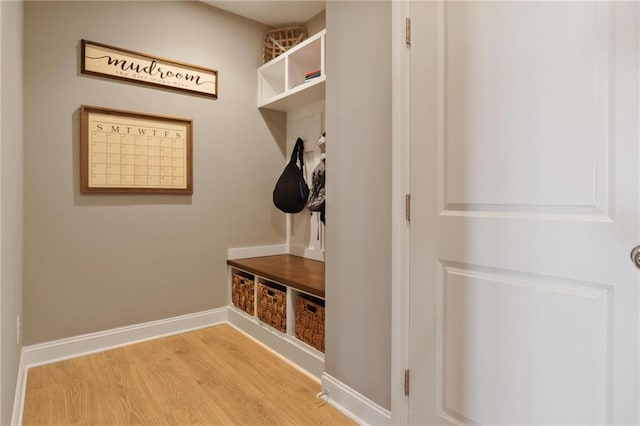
column 206, row 377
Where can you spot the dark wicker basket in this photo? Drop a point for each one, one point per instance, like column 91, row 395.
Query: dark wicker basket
column 310, row 321
column 272, row 305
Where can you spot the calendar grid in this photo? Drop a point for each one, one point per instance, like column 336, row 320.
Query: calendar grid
column 135, row 152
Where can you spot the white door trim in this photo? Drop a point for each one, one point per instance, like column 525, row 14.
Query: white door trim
column 638, row 46
column 401, row 102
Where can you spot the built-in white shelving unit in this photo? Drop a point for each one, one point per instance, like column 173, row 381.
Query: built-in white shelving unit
column 281, row 81
column 282, row 86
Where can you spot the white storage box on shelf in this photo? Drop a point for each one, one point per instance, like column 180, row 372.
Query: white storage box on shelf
column 282, row 83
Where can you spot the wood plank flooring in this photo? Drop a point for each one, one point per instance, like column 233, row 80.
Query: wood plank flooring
column 212, row 376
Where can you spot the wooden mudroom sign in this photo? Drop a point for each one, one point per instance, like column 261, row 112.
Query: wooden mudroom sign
column 122, row 64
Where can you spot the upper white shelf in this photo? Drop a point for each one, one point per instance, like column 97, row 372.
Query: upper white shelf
column 281, row 81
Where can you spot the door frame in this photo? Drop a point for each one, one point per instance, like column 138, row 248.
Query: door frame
column 401, row 179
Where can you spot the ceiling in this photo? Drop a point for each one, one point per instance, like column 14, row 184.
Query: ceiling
column 271, row 12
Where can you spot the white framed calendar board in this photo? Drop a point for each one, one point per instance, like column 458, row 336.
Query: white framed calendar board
column 133, row 152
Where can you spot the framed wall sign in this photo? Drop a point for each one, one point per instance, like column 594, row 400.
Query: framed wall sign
column 132, row 152
column 121, row 64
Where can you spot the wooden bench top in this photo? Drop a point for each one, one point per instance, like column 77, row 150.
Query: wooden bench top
column 297, row 272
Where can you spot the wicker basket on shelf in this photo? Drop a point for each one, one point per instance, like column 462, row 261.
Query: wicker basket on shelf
column 278, row 41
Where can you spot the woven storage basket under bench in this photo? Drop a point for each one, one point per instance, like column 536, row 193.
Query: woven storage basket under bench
column 243, row 291
column 310, row 320
column 272, row 305
column 272, row 279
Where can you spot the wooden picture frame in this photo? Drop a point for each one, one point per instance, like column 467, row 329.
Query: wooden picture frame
column 132, row 152
column 128, row 65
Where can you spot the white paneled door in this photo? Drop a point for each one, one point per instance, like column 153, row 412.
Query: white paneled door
column 525, row 188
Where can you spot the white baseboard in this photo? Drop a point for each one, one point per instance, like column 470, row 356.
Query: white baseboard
column 353, row 404
column 21, row 388
column 58, row 350
column 277, row 354
column 306, row 358
column 314, row 254
column 243, row 252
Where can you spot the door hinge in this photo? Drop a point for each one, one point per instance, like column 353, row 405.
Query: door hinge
column 407, row 207
column 406, row 382
column 407, row 33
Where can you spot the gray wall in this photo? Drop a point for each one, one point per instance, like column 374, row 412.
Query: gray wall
column 95, row 262
column 316, row 24
column 358, row 245
column 11, row 168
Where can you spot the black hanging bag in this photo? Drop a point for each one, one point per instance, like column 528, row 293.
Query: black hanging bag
column 291, row 191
